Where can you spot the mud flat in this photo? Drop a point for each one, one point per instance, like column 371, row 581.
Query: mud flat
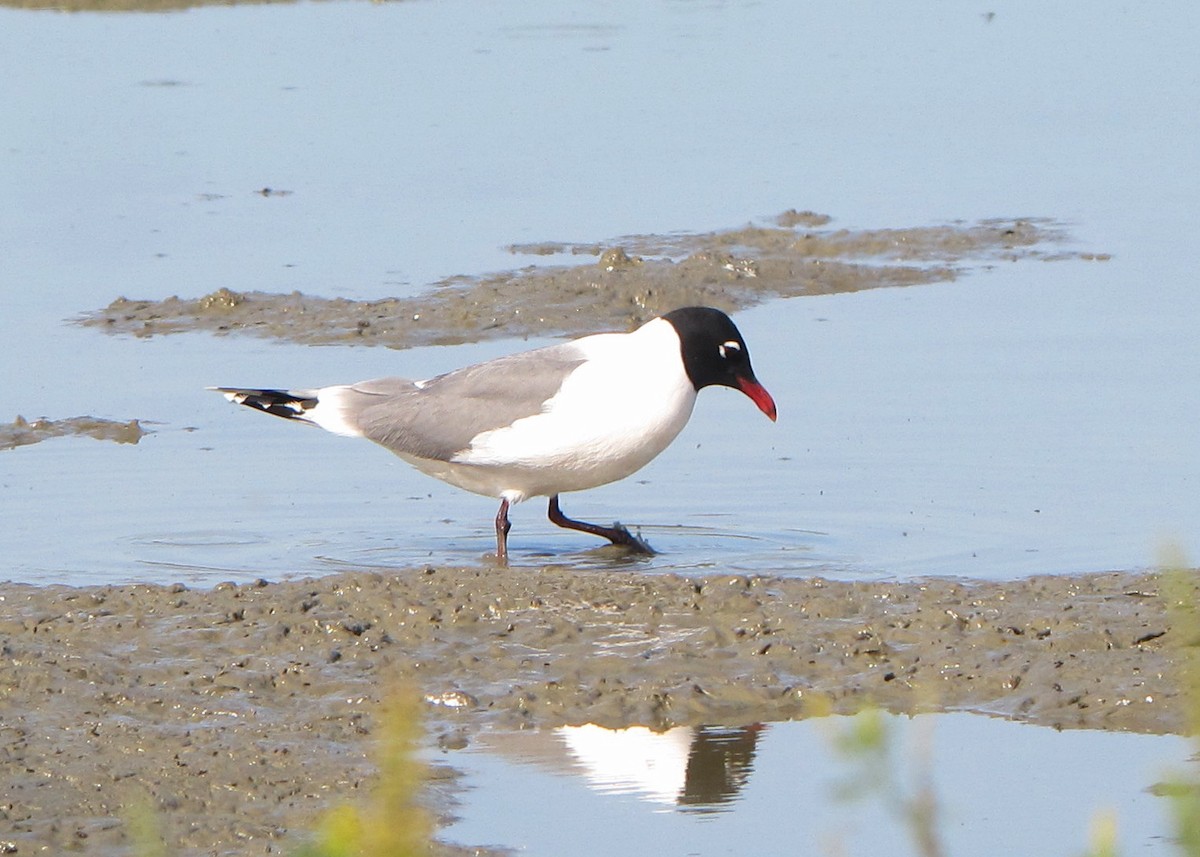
column 22, row 432
column 242, row 711
column 632, row 279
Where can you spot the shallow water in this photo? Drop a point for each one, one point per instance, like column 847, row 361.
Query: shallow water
column 785, row 788
column 1031, row 417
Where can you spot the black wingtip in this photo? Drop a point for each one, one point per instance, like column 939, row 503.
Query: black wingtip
column 279, row 403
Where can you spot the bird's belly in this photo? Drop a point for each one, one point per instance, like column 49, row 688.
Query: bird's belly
column 517, row 482
column 544, row 456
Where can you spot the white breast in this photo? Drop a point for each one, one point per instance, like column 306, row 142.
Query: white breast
column 612, row 416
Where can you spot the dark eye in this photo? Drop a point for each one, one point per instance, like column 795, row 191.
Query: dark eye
column 725, row 347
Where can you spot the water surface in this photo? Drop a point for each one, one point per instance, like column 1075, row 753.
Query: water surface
column 1028, row 418
column 785, row 788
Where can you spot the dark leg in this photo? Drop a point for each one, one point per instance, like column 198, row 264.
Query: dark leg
column 616, row 534
column 502, row 528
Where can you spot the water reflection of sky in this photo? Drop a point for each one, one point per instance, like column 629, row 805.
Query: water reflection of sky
column 783, row 789
column 1037, row 417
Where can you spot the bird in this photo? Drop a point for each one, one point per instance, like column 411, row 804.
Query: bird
column 564, row 417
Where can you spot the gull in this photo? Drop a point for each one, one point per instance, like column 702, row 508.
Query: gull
column 540, row 423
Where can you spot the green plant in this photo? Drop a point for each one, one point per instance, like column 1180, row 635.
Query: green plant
column 1179, row 588
column 869, row 743
column 145, row 828
column 391, row 823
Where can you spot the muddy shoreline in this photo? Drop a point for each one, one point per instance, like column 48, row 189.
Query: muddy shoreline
column 22, row 432
column 633, row 279
column 242, row 711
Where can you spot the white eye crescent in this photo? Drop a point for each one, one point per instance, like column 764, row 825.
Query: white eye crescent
column 731, row 345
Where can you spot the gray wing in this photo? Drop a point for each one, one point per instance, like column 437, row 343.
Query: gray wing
column 440, row 417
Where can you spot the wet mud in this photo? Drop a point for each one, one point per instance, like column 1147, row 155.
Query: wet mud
column 631, row 280
column 243, row 711
column 126, row 5
column 21, row 432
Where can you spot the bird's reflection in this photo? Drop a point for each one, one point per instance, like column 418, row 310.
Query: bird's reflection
column 697, row 769
column 719, row 764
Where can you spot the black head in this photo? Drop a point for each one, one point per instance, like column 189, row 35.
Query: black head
column 715, row 353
